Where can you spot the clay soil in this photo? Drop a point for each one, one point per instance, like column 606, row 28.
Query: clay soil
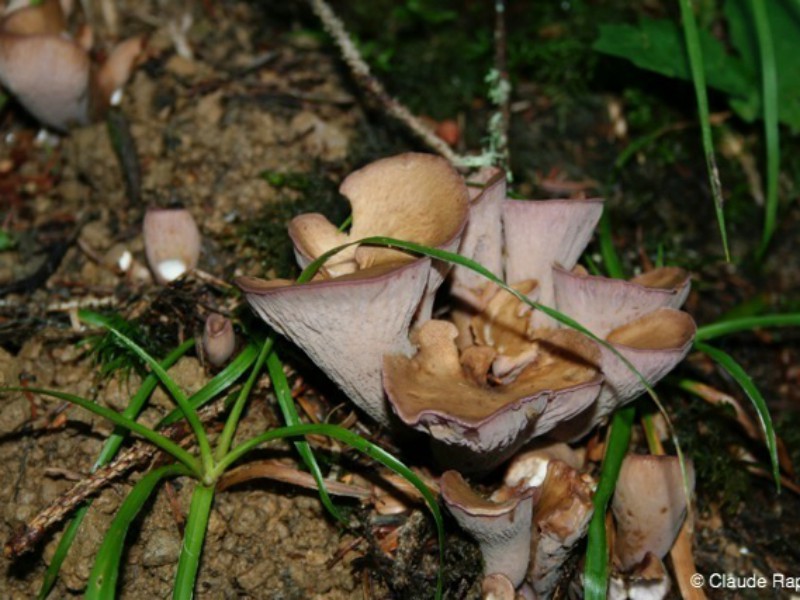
column 261, row 124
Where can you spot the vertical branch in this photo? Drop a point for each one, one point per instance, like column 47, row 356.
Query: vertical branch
column 362, row 74
column 502, row 94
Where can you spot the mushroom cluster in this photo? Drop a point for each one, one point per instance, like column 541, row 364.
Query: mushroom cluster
column 51, row 72
column 488, row 375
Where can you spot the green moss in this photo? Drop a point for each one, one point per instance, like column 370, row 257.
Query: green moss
column 266, row 235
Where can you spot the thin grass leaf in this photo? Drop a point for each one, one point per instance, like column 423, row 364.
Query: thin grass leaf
column 177, row 394
column 193, row 537
column 116, row 418
column 232, row 422
column 354, row 441
column 607, row 249
column 735, row 370
column 109, row 450
column 769, row 95
column 729, row 326
column 695, row 52
column 283, row 394
column 596, row 567
column 105, row 572
column 218, row 384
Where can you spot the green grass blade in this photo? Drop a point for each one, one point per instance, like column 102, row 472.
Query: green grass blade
column 177, row 394
column 232, row 422
column 699, row 78
column 596, row 567
column 109, row 450
column 714, row 330
column 362, row 445
column 769, row 95
column 105, row 572
column 283, row 394
column 193, row 537
column 607, row 250
column 118, row 419
column 735, row 370
column 221, row 382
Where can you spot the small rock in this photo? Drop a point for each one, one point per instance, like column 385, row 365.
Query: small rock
column 162, row 548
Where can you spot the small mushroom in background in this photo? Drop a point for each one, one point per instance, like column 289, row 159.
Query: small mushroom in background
column 51, row 74
column 649, row 508
column 219, row 340
column 501, row 528
column 497, row 587
column 171, row 242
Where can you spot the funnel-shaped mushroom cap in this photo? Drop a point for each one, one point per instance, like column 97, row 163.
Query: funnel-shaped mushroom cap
column 649, row 506
column 560, row 519
column 347, row 324
column 654, row 344
column 540, row 234
column 602, row 305
column 48, row 75
column 483, row 236
column 502, row 529
column 171, row 242
column 433, row 392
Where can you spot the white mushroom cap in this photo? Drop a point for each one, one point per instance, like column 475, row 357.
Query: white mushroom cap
column 347, row 324
column 502, row 529
column 171, row 242
column 649, row 506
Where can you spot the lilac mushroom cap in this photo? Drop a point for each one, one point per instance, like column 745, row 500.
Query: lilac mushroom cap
column 50, row 74
column 649, row 507
column 542, row 233
column 502, row 529
column 348, row 323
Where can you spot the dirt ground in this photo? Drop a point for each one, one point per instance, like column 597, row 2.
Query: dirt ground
column 262, row 118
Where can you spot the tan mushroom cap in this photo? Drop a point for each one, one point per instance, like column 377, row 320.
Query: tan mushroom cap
column 540, row 234
column 414, row 197
column 433, row 392
column 483, row 236
column 504, row 324
column 654, row 344
column 649, row 506
column 172, row 242
column 347, row 324
column 502, row 529
column 560, row 519
column 602, row 305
